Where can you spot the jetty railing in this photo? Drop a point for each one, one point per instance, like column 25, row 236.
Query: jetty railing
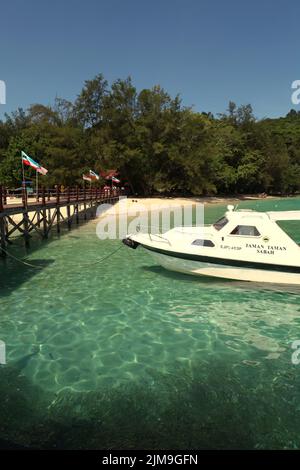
column 41, row 211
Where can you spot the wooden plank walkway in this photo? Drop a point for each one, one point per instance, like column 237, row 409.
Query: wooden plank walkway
column 42, row 214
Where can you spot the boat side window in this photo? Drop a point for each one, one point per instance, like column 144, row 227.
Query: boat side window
column 221, row 223
column 246, row 230
column 203, row 243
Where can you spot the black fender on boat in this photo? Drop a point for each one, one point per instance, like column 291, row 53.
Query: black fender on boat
column 131, row 243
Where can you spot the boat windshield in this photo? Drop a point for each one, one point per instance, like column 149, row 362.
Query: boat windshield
column 221, row 223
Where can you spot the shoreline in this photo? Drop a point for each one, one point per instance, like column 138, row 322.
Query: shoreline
column 208, row 199
column 132, row 205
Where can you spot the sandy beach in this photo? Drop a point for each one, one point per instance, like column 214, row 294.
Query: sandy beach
column 135, row 204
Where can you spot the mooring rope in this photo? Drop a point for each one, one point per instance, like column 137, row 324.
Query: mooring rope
column 104, row 257
column 21, row 260
column 91, row 263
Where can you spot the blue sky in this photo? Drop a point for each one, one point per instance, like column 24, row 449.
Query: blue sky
column 209, row 51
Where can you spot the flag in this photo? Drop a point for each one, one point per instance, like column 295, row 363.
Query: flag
column 107, row 174
column 42, row 170
column 30, row 162
column 93, row 175
column 86, row 178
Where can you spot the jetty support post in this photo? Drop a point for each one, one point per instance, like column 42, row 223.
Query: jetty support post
column 38, row 211
column 57, row 211
column 2, row 225
column 84, row 203
column 91, row 201
column 24, row 195
column 25, row 218
column 49, row 210
column 77, row 205
column 38, row 218
column 68, row 209
column 44, row 211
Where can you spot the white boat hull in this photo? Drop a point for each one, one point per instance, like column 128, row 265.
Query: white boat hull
column 199, row 268
column 243, row 245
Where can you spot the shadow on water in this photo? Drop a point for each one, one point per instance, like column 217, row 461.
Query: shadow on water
column 159, row 270
column 214, row 282
column 13, row 275
column 6, row 445
column 211, row 406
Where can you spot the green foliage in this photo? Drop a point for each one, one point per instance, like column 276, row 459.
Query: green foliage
column 89, row 104
column 158, row 145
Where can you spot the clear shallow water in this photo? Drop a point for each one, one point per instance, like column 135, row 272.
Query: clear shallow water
column 125, row 354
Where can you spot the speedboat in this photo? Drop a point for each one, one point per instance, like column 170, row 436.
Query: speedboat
column 243, row 245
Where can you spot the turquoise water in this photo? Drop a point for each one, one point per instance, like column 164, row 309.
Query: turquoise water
column 123, row 354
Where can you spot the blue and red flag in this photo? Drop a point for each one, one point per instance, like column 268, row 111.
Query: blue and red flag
column 93, row 175
column 30, row 162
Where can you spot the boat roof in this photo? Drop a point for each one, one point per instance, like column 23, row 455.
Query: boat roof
column 284, row 215
column 273, row 215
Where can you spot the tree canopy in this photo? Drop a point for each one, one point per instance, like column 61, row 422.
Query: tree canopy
column 157, row 144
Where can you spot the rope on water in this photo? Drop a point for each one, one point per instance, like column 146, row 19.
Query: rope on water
column 91, row 263
column 104, row 257
column 21, row 260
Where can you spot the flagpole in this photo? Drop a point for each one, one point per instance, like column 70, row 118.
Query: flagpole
column 23, row 172
column 23, row 182
column 37, row 185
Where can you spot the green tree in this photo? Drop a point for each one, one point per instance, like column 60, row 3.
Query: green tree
column 89, row 105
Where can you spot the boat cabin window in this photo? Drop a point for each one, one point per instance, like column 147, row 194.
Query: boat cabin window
column 221, row 223
column 203, row 243
column 246, row 230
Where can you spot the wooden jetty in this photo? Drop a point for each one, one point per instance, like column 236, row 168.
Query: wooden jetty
column 45, row 211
